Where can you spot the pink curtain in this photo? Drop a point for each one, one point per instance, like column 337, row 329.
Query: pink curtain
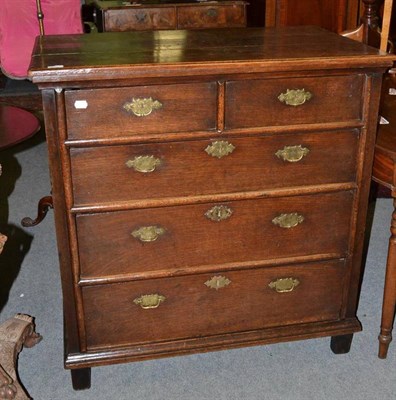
column 19, row 27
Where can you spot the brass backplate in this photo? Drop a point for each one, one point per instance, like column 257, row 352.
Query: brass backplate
column 148, row 301
column 218, row 213
column 148, row 233
column 292, row 153
column 144, row 164
column 295, row 97
column 288, row 220
column 217, row 282
column 220, row 148
column 142, row 107
column 284, row 285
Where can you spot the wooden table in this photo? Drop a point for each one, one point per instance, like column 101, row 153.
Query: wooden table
column 16, row 125
column 210, row 191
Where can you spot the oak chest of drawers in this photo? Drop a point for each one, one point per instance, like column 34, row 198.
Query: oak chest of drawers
column 210, row 191
column 120, row 16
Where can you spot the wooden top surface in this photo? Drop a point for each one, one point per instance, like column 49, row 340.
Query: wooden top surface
column 122, row 4
column 128, row 55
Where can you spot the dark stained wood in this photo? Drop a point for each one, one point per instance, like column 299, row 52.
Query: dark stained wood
column 386, row 143
column 341, row 344
column 247, row 303
column 212, row 16
column 149, row 55
column 121, row 20
column 334, row 15
column 372, row 94
column 212, row 343
column 44, row 205
column 119, row 16
column 384, row 173
column 255, row 13
column 333, row 99
column 182, row 109
column 392, row 30
column 384, row 160
column 385, row 148
column 53, row 128
column 389, row 301
column 368, row 31
column 211, row 84
column 187, row 229
column 97, row 169
column 81, row 378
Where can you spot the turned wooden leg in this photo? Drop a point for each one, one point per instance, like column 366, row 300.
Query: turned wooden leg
column 389, row 302
column 81, row 378
column 341, row 344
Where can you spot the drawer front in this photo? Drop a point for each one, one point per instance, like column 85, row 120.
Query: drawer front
column 106, row 113
column 117, row 243
column 214, row 16
column 271, row 102
column 139, row 19
column 209, row 304
column 121, row 173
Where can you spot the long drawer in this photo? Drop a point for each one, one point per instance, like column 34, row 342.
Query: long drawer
column 130, row 19
column 116, row 112
column 293, row 101
column 209, row 304
column 225, row 165
column 123, row 242
column 212, row 16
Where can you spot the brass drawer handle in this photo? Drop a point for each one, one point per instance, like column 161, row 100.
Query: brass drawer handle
column 218, row 213
column 148, row 301
column 220, row 149
column 148, row 233
column 288, row 220
column 142, row 107
column 295, row 97
column 144, row 164
column 292, row 153
column 217, row 282
column 284, row 285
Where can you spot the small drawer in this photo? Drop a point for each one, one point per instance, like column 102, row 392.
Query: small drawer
column 209, row 304
column 139, row 19
column 213, row 16
column 293, row 101
column 123, row 112
column 135, row 241
column 225, row 165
